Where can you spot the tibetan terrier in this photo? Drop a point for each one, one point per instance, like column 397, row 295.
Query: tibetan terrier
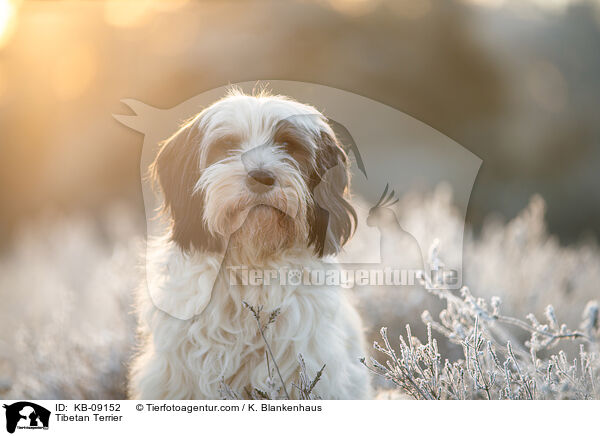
column 250, row 183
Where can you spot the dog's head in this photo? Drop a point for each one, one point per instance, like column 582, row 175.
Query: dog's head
column 260, row 173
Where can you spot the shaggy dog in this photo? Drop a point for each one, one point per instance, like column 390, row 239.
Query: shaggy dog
column 252, row 182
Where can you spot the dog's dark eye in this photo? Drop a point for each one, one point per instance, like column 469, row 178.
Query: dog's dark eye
column 293, row 148
column 220, row 149
column 297, row 152
column 294, row 141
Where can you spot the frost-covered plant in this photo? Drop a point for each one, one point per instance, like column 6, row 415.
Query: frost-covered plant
column 495, row 364
column 519, row 261
column 277, row 390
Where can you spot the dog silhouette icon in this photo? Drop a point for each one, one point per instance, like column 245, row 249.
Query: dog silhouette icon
column 26, row 414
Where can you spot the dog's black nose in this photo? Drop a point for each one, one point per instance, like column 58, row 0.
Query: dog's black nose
column 263, row 177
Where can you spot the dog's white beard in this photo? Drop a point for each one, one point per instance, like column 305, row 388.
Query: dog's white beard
column 264, row 233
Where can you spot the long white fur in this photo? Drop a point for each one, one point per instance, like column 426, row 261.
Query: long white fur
column 218, row 339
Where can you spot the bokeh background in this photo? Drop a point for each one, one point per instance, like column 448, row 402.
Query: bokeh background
column 517, row 82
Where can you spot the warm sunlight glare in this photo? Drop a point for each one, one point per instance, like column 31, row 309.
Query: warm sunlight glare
column 353, row 7
column 7, row 20
column 3, row 84
column 74, row 71
column 170, row 6
column 131, row 13
column 127, row 13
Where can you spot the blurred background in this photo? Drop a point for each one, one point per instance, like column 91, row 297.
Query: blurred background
column 517, row 82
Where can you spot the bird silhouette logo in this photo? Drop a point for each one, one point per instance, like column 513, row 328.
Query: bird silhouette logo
column 398, row 247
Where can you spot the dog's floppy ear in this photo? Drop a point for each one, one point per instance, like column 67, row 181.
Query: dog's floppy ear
column 332, row 218
column 177, row 169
